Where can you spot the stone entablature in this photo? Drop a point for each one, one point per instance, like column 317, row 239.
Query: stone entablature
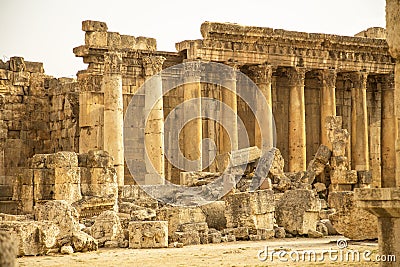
column 224, row 42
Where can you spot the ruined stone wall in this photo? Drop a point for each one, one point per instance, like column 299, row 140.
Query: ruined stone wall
column 24, row 111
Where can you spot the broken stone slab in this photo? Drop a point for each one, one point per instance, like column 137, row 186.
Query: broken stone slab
column 252, row 210
column 314, row 234
column 319, row 187
column 279, row 232
column 270, row 164
column 8, row 248
column 238, row 233
column 107, row 227
column 339, row 163
column 237, row 158
column 152, row 234
column 322, row 228
column 60, row 213
column 197, row 178
column 298, row 211
column 32, row 238
column 349, row 220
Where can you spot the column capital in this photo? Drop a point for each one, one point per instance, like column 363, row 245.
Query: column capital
column 152, row 65
column 261, row 73
column 296, row 75
column 359, row 79
column 329, row 77
column 112, row 62
column 388, row 81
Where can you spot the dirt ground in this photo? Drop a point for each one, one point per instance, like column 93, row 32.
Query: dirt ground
column 243, row 253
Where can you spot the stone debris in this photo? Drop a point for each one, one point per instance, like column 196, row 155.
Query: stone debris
column 83, row 242
column 314, row 234
column 249, row 212
column 32, row 238
column 107, row 227
column 349, row 220
column 298, row 211
column 8, row 248
column 61, row 214
column 67, row 250
column 152, row 234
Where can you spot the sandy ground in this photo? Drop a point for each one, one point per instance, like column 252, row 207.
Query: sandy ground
column 243, row 253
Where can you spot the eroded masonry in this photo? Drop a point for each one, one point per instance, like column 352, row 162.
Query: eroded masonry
column 64, row 176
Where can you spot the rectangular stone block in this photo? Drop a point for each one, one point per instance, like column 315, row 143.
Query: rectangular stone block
column 177, row 216
column 151, row 234
column 67, row 192
column 67, row 175
column 94, row 26
column 341, row 187
column 62, row 159
column 198, row 227
column 237, row 157
column 187, row 238
column 323, row 154
column 343, row 176
column 44, row 176
column 364, row 177
column 96, row 39
column 250, row 209
column 102, row 175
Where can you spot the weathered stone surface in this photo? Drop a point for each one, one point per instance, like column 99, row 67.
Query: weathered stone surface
column 252, row 210
column 32, row 238
column 298, row 211
column 279, row 232
column 60, row 213
column 152, row 234
column 314, row 234
column 107, row 227
column 349, row 220
column 8, row 248
column 66, row 250
column 322, row 228
column 177, row 216
column 215, row 214
column 83, row 242
column 91, row 26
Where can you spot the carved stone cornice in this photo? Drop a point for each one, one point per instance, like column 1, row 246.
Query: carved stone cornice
column 152, row 65
column 296, row 76
column 112, row 63
column 261, row 74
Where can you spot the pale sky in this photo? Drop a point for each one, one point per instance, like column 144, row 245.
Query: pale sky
column 48, row 30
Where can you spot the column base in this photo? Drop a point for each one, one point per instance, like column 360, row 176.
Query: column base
column 385, row 204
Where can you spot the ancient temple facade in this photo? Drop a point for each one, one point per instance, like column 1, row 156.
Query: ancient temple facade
column 305, row 77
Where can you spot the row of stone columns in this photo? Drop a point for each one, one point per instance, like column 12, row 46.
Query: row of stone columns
column 262, row 76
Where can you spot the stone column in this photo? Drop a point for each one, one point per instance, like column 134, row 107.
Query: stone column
column 297, row 121
column 328, row 101
column 359, row 122
column 113, row 111
column 262, row 77
column 388, row 133
column 229, row 97
column 154, row 130
column 192, row 131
